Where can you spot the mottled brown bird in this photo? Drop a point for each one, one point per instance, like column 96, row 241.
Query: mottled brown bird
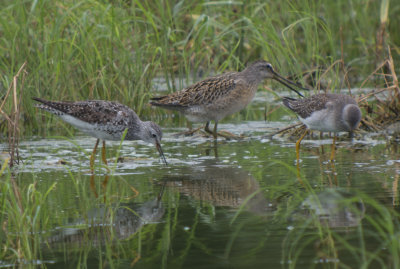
column 217, row 97
column 106, row 121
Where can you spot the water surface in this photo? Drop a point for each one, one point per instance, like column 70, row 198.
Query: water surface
column 225, row 204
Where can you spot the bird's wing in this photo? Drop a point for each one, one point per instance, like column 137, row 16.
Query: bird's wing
column 305, row 107
column 201, row 93
column 95, row 111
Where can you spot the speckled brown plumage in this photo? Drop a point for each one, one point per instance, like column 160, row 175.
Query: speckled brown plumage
column 92, row 111
column 105, row 120
column 202, row 93
column 217, row 97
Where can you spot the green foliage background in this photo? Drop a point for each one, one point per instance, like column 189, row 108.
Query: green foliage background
column 113, row 50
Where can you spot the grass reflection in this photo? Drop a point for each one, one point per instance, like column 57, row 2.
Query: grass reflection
column 246, row 206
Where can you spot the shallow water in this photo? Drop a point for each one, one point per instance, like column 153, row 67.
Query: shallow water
column 226, row 204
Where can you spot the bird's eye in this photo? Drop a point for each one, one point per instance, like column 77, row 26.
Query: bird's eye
column 154, row 135
column 269, row 66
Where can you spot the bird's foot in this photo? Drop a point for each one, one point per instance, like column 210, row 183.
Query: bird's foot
column 189, row 132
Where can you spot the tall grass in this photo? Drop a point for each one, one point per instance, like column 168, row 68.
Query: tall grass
column 113, row 50
column 24, row 218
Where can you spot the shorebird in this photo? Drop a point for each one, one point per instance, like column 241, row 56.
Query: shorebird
column 217, row 97
column 325, row 112
column 105, row 121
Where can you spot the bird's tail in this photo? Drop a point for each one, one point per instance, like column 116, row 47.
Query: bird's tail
column 40, row 100
column 157, row 98
column 287, row 101
column 164, row 102
column 46, row 105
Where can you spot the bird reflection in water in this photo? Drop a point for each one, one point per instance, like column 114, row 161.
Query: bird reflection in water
column 104, row 223
column 334, row 208
column 103, row 185
column 220, row 185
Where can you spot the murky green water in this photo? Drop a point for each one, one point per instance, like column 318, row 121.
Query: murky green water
column 230, row 204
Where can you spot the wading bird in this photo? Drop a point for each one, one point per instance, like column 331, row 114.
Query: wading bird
column 217, row 97
column 326, row 112
column 106, row 121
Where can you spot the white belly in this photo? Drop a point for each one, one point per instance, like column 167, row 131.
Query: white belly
column 217, row 111
column 322, row 120
column 94, row 130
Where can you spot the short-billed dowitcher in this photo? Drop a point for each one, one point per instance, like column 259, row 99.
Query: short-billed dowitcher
column 325, row 112
column 217, row 97
column 106, row 121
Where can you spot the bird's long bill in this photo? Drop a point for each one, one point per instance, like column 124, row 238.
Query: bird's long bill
column 286, row 82
column 160, row 194
column 158, row 146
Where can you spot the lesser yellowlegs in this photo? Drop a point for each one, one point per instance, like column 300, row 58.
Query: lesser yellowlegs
column 217, row 97
column 326, row 113
column 106, row 121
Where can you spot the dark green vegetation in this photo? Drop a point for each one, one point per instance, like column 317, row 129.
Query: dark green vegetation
column 78, row 50
column 249, row 208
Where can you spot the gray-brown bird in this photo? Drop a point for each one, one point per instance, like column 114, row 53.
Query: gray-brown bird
column 106, row 121
column 326, row 112
column 217, row 97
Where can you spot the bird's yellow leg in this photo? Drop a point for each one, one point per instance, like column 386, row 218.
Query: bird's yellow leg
column 333, row 148
column 92, row 156
column 298, row 146
column 104, row 185
column 103, row 155
column 93, row 186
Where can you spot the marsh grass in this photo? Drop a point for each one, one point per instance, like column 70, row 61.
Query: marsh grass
column 11, row 114
column 367, row 229
column 78, row 50
column 382, row 111
column 23, row 216
column 32, row 215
